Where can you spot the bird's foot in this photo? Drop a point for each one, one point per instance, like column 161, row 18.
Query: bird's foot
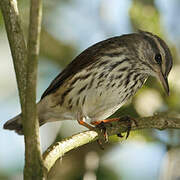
column 102, row 124
column 129, row 121
column 103, row 131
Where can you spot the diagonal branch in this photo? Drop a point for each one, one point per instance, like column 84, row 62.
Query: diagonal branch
column 58, row 149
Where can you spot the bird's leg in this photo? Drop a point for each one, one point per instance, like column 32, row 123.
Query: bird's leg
column 82, row 122
column 124, row 118
column 104, row 121
column 100, row 126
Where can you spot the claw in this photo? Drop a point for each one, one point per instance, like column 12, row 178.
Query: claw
column 128, row 131
column 129, row 120
column 101, row 125
column 103, row 130
column 120, row 135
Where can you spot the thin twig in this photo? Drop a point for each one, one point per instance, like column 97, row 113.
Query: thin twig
column 58, row 149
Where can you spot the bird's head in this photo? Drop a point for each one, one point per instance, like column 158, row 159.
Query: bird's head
column 156, row 57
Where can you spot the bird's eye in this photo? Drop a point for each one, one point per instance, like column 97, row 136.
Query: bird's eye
column 158, row 59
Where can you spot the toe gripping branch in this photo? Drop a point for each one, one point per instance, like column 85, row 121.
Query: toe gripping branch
column 129, row 121
column 103, row 124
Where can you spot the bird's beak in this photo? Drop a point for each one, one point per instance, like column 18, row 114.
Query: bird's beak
column 164, row 82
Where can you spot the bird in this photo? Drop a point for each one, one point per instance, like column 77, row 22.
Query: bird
column 102, row 79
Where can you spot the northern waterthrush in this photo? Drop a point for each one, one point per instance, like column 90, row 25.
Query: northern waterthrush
column 101, row 79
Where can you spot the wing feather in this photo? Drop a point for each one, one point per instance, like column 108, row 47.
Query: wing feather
column 86, row 58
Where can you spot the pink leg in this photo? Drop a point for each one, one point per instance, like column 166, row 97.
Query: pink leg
column 83, row 123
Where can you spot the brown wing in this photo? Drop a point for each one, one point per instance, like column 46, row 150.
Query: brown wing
column 87, row 57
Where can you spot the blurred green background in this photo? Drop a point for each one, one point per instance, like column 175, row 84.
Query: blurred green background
column 70, row 26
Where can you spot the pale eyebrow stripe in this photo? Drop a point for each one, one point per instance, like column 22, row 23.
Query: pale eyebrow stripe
column 160, row 45
column 168, row 58
column 162, row 52
column 150, row 38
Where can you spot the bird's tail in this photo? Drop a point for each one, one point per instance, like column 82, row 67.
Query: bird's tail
column 15, row 124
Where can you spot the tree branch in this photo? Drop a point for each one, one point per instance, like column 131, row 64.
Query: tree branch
column 58, row 149
column 34, row 167
column 26, row 79
column 17, row 44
